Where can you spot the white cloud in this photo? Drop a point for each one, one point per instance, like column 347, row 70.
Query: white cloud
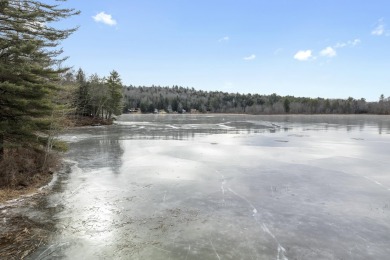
column 102, row 17
column 250, row 57
column 303, row 55
column 351, row 43
column 328, row 52
column 224, row 39
column 355, row 42
column 340, row 45
column 380, row 29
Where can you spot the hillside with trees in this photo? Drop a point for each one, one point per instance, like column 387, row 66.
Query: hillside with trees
column 180, row 99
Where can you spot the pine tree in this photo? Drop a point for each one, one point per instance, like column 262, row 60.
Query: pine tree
column 98, row 92
column 115, row 102
column 82, row 100
column 28, row 69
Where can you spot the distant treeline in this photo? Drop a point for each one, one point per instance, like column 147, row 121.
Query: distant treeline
column 180, row 99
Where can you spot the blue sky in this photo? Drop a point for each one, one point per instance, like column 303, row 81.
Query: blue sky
column 330, row 48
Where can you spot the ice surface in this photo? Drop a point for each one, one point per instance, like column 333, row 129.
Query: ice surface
column 224, row 187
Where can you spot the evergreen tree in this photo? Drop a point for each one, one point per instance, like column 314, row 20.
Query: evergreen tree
column 28, row 69
column 98, row 92
column 82, row 101
column 115, row 103
column 286, row 105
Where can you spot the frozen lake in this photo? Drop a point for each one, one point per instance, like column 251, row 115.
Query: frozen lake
column 223, row 187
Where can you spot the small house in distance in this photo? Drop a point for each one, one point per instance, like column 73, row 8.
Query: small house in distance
column 134, row 110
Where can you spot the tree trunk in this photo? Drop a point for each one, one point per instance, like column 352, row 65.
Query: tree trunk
column 1, row 147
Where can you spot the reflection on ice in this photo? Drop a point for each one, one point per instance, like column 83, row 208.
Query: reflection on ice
column 225, row 187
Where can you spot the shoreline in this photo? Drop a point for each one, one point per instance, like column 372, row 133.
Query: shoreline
column 21, row 235
column 241, row 114
column 8, row 195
